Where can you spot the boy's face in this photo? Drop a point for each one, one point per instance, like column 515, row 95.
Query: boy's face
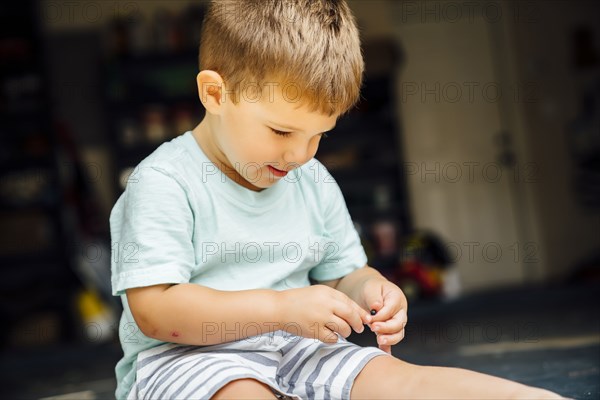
column 240, row 138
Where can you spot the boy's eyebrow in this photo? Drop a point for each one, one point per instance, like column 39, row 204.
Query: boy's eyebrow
column 294, row 129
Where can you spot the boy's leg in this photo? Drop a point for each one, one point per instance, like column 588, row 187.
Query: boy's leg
column 245, row 389
column 391, row 378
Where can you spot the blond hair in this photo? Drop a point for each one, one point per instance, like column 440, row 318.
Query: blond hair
column 310, row 46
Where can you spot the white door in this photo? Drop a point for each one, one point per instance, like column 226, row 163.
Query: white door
column 449, row 107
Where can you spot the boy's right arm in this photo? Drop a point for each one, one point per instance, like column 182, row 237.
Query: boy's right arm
column 197, row 315
column 192, row 314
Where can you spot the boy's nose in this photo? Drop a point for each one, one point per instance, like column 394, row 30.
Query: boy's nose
column 296, row 157
column 300, row 154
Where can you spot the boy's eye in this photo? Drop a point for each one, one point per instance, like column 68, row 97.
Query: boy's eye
column 281, row 133
column 324, row 135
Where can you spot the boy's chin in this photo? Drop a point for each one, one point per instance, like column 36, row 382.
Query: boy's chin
column 267, row 183
column 261, row 184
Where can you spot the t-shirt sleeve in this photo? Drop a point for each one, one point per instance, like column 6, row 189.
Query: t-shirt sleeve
column 151, row 232
column 344, row 251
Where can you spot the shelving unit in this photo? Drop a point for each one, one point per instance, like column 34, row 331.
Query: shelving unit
column 34, row 258
column 151, row 94
column 151, row 99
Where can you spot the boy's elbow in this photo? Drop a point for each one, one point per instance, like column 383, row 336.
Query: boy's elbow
column 141, row 303
column 146, row 326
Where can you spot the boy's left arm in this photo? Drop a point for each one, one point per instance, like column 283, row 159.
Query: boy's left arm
column 372, row 291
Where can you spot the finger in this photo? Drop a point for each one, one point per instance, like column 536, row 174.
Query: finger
column 340, row 326
column 387, row 328
column 327, row 334
column 364, row 315
column 392, row 304
column 391, row 339
column 395, row 324
column 373, row 300
column 386, row 347
column 349, row 311
column 374, row 307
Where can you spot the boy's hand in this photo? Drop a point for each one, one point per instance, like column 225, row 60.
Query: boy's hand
column 387, row 299
column 320, row 312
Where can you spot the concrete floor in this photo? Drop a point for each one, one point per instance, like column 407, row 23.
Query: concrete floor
column 547, row 337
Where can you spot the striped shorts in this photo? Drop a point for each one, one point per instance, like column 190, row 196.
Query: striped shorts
column 293, row 366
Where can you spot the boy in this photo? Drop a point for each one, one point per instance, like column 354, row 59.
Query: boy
column 221, row 232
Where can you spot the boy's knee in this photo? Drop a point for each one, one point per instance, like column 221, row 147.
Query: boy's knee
column 387, row 377
column 245, row 389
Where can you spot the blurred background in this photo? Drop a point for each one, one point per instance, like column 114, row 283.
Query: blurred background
column 471, row 169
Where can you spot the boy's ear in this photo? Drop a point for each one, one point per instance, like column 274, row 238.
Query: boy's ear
column 210, row 90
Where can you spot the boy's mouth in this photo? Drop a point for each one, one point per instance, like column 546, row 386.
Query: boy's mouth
column 277, row 172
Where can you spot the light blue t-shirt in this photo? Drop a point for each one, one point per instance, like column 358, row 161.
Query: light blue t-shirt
column 182, row 220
